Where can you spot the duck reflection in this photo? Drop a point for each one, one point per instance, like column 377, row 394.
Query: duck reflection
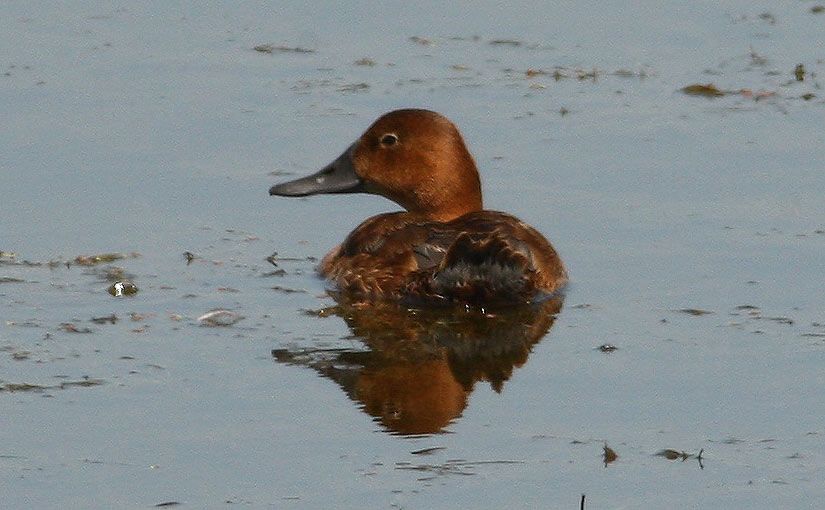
column 419, row 366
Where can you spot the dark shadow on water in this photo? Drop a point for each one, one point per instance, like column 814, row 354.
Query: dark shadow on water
column 418, row 367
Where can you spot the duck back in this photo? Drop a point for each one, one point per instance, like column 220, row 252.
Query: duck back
column 480, row 258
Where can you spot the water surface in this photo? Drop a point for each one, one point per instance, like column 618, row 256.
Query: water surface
column 692, row 228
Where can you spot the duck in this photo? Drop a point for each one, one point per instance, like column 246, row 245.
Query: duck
column 444, row 248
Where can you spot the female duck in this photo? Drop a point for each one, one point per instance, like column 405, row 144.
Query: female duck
column 445, row 248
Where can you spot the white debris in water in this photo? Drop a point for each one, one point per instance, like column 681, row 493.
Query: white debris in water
column 122, row 288
column 219, row 318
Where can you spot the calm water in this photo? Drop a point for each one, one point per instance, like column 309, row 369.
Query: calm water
column 693, row 229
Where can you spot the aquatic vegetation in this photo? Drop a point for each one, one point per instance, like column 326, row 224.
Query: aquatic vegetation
column 271, row 48
column 706, row 90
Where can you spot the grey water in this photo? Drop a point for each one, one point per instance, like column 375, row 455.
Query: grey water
column 692, row 225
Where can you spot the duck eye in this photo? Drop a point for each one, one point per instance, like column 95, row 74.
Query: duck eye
column 389, row 139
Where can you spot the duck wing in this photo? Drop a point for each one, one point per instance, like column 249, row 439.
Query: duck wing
column 485, row 258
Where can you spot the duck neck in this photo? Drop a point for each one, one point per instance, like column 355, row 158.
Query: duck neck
column 449, row 206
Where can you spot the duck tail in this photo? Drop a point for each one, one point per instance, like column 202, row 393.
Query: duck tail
column 484, row 271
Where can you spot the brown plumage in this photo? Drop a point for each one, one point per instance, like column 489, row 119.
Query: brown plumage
column 445, row 248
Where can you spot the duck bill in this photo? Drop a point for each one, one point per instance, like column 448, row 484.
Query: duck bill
column 337, row 177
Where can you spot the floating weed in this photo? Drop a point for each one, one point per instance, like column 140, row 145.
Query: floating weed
column 280, row 173
column 423, row 41
column 747, row 307
column 86, row 382
column 354, row 87
column 109, row 273
column 671, row 454
column 16, row 387
column 110, row 319
column 799, row 72
column 287, row 290
column 452, row 467
column 506, row 42
column 274, row 259
column 9, row 258
column 428, row 451
column 69, row 327
column 609, row 455
column 581, row 74
column 704, row 90
column 91, row 260
column 756, row 59
column 26, row 324
column 733, row 440
column 768, row 18
column 83, row 383
column 756, row 96
column 627, row 73
column 694, row 311
column 271, row 48
column 322, row 312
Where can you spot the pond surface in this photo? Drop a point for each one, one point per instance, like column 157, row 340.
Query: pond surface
column 691, row 221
